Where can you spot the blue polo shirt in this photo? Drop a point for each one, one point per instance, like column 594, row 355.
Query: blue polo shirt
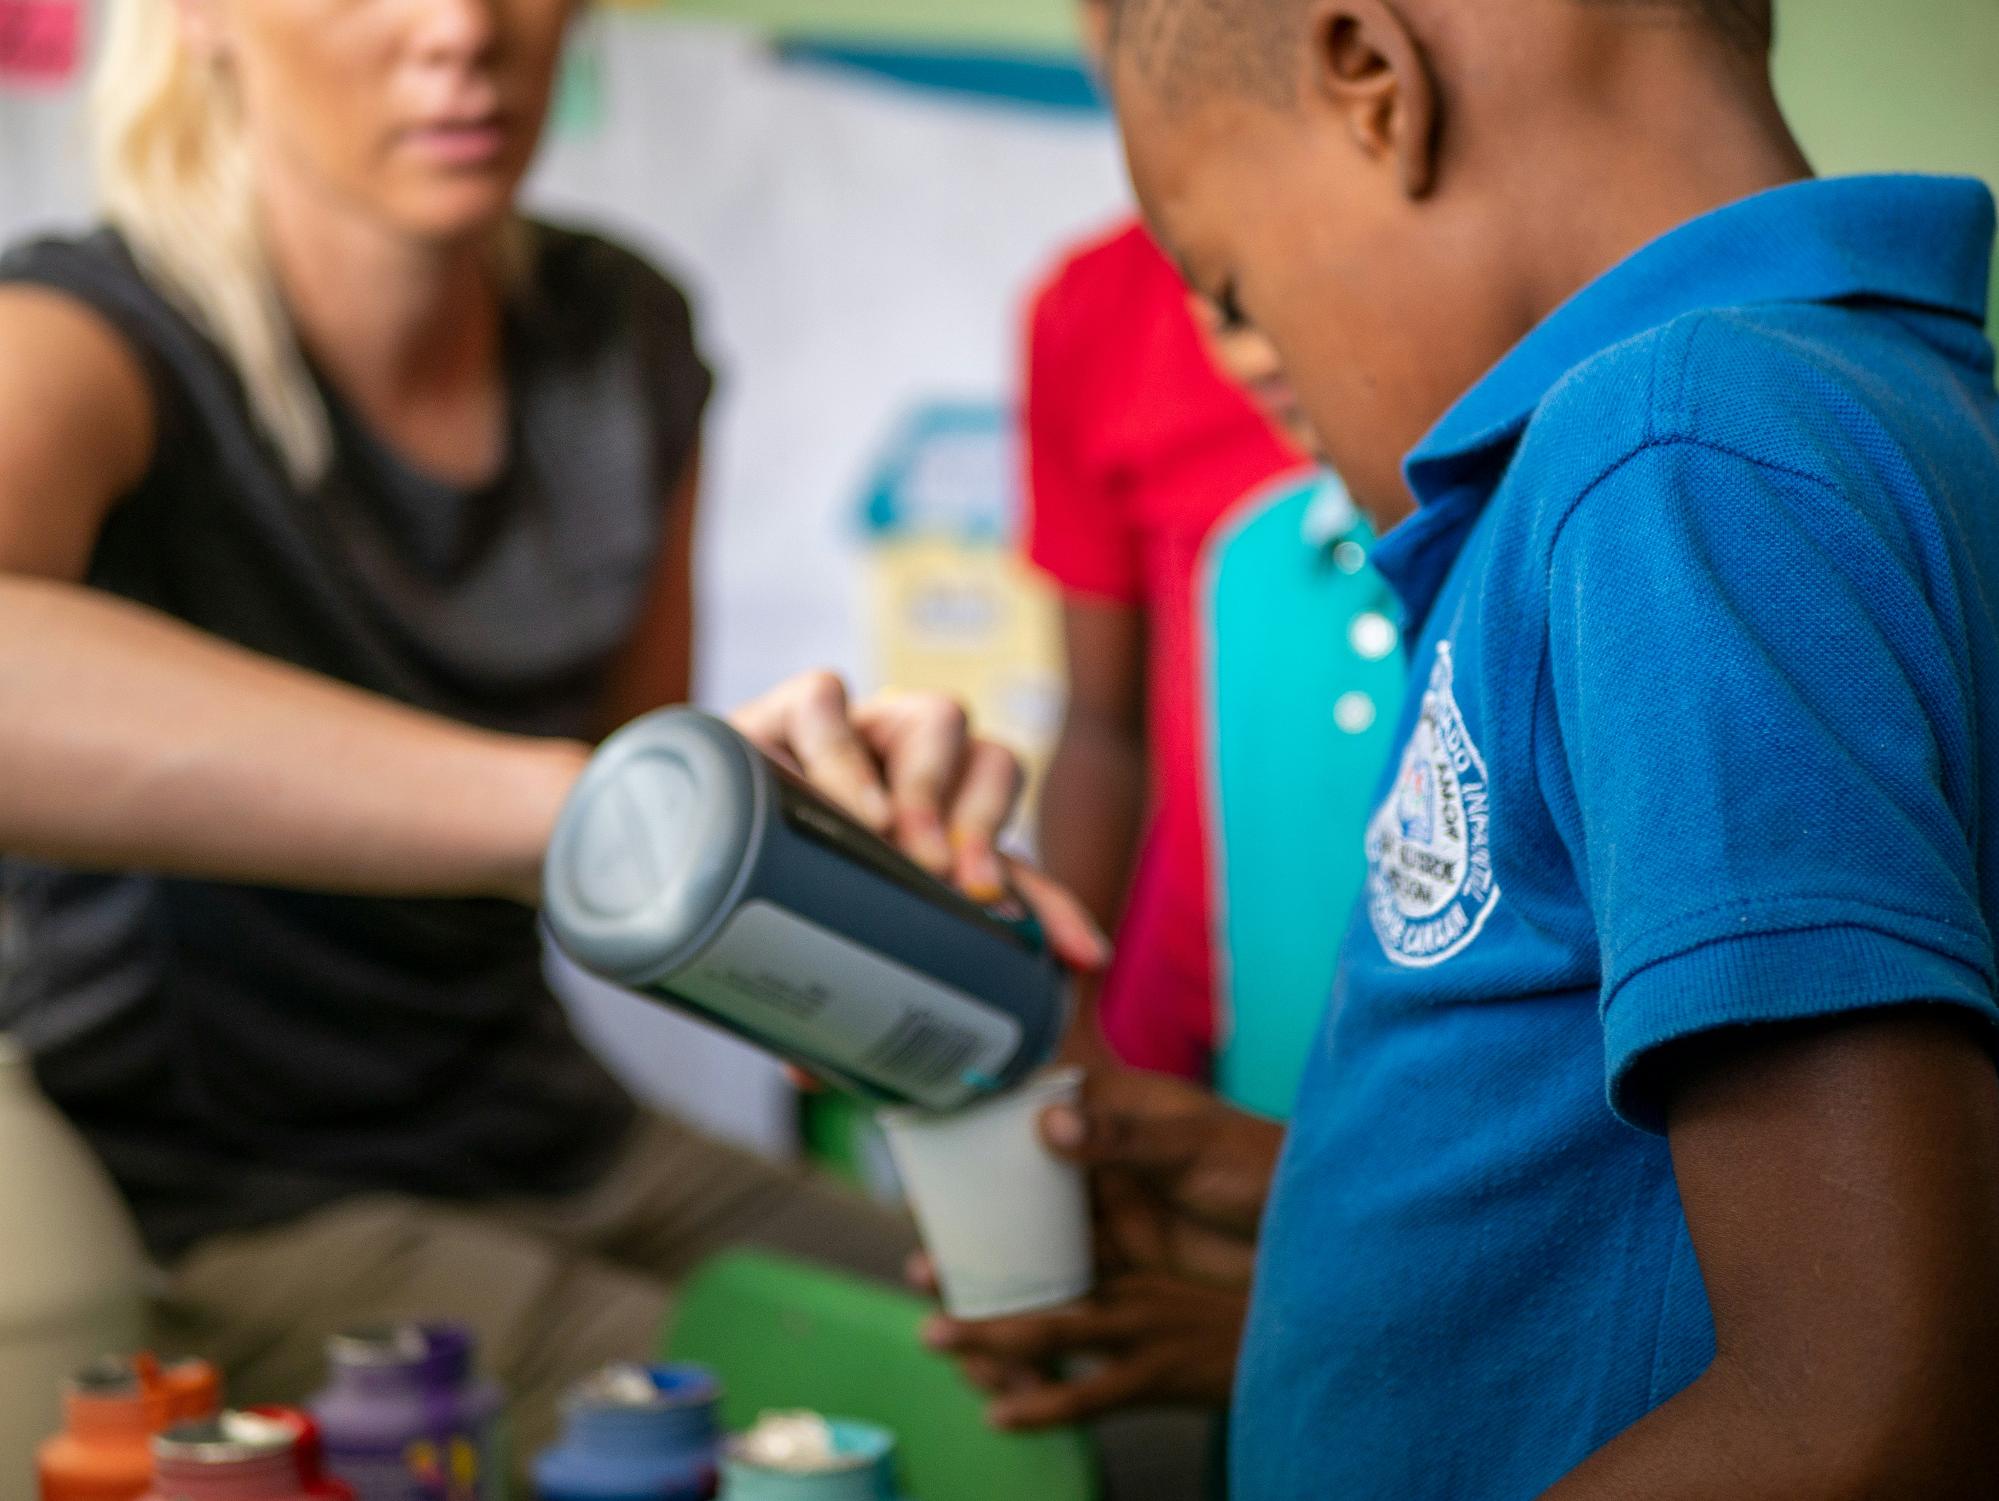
column 1702, row 732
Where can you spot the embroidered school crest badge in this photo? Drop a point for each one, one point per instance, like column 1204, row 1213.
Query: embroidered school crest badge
column 1430, row 882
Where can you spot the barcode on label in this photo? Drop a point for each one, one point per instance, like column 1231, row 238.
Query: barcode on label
column 805, row 992
column 923, row 1049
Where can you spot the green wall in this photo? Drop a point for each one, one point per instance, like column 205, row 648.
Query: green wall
column 1880, row 85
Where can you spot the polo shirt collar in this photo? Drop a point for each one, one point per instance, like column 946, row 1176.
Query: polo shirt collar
column 1924, row 242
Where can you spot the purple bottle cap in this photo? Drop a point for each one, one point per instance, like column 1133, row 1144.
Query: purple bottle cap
column 431, row 1354
column 378, row 1345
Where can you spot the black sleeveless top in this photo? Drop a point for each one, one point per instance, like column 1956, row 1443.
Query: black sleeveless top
column 240, row 1055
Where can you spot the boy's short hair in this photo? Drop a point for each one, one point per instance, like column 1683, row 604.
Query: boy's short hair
column 1241, row 43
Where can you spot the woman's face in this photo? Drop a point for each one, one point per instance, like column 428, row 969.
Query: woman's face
column 420, row 114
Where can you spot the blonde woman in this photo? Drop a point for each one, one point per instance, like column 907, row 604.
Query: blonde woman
column 339, row 510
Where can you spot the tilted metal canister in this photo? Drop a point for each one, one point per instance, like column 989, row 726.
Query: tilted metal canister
column 690, row 867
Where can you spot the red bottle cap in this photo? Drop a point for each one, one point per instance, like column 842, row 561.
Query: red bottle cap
column 312, row 1476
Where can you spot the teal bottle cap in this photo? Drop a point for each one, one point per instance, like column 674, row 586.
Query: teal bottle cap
column 857, row 1463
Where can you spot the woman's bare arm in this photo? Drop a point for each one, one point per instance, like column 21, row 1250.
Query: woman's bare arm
column 131, row 741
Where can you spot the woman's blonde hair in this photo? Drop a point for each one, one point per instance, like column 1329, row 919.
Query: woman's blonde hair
column 174, row 177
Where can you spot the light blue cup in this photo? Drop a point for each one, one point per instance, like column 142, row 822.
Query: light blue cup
column 866, row 1470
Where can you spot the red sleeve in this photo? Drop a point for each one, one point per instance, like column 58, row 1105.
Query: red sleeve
column 1079, row 530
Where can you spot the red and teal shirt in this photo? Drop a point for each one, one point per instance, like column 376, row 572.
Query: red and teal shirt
column 1137, row 448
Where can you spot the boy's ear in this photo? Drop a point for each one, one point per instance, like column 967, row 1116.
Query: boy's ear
column 1368, row 64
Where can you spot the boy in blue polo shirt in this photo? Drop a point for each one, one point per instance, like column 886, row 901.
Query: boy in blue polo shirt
column 1651, row 1147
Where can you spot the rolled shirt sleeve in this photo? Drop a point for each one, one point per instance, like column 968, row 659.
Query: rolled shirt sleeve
column 1768, row 731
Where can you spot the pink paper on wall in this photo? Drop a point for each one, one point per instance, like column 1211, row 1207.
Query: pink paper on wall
column 40, row 41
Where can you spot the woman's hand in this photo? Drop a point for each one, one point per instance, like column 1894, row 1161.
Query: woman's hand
column 907, row 766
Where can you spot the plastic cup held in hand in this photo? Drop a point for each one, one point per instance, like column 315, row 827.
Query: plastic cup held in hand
column 1006, row 1221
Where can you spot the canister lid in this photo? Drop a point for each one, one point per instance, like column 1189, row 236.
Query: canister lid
column 651, row 844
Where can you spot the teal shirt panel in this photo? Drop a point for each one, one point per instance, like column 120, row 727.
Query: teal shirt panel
column 1305, row 677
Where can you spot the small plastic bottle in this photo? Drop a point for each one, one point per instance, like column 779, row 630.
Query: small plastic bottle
column 636, row 1433
column 111, row 1410
column 269, row 1454
column 406, row 1417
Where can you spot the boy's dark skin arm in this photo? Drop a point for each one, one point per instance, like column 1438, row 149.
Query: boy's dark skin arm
column 1094, row 792
column 1841, row 1181
column 1093, row 799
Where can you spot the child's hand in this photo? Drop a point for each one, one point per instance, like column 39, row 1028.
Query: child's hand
column 1179, row 1178
column 1143, row 1339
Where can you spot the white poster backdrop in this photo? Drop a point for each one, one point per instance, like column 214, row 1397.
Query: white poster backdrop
column 855, row 249
column 44, row 176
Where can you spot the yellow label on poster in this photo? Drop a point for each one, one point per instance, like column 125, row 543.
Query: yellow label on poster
column 973, row 620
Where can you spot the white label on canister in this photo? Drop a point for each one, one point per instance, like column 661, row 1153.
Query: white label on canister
column 828, row 1000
